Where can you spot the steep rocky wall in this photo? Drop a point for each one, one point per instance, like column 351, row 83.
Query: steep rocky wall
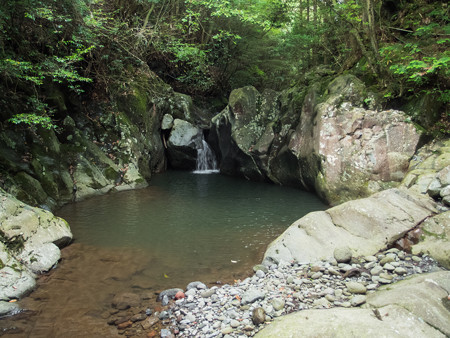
column 330, row 138
column 102, row 143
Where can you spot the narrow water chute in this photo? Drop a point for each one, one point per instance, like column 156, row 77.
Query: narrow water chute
column 206, row 160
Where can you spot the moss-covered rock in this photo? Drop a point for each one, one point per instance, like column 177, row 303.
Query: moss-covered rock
column 29, row 244
column 435, row 239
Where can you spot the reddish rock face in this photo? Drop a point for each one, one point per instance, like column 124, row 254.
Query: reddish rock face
column 330, row 143
column 360, row 151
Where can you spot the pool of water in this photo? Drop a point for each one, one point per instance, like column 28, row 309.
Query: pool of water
column 183, row 227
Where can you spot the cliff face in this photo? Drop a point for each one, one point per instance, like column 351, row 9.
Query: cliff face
column 329, row 138
column 104, row 143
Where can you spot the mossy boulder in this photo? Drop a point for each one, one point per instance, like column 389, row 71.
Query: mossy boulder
column 322, row 139
column 30, row 239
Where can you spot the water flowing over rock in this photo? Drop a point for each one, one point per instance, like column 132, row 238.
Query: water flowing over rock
column 328, row 142
column 206, row 159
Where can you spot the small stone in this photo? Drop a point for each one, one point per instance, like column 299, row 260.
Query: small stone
column 342, row 254
column 149, row 322
column 208, row 293
column 400, row 271
column 170, row 293
column 416, row 259
column 372, row 286
column 125, row 301
column 387, row 259
column 330, row 298
column 249, row 328
column 234, row 323
column 227, row 330
column 386, row 276
column 165, row 333
column 261, row 267
column 191, row 292
column 278, row 304
column 164, row 315
column 124, row 325
column 376, row 270
column 179, row 295
column 260, row 274
column 196, row 285
column 355, row 287
column 315, row 268
column 393, row 250
column 370, row 259
column 252, row 296
column 152, row 334
column 358, row 300
column 138, row 317
column 321, row 303
column 298, row 295
column 317, row 275
column 370, row 265
column 389, row 267
column 235, row 302
column 384, row 281
column 258, row 316
column 333, row 272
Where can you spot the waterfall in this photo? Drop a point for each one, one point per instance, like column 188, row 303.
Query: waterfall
column 206, row 160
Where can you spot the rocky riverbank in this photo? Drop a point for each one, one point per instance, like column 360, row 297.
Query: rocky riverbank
column 343, row 282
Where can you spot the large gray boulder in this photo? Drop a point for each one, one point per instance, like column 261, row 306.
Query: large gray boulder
column 424, row 296
column 366, row 226
column 329, row 139
column 412, row 308
column 244, row 131
column 184, row 140
column 30, row 239
column 354, row 151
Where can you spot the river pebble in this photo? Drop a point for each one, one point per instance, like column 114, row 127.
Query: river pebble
column 244, row 308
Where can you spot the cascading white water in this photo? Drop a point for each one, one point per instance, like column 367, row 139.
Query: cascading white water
column 206, row 160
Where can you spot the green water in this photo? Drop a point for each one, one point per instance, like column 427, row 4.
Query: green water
column 187, row 222
column 184, row 227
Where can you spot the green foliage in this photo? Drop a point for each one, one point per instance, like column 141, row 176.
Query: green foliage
column 33, row 120
column 420, row 63
column 205, row 47
column 41, row 42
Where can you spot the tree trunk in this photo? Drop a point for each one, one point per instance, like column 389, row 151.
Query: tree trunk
column 307, row 10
